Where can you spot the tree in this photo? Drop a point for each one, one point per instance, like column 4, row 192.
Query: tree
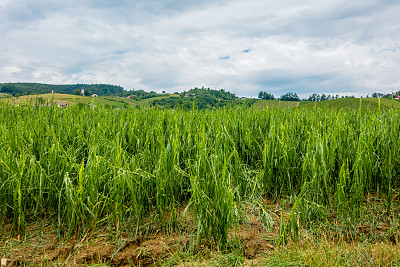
column 77, row 92
column 265, row 96
column 290, row 97
column 377, row 95
column 313, row 97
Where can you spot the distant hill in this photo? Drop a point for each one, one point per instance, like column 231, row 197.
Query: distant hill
column 17, row 89
column 194, row 98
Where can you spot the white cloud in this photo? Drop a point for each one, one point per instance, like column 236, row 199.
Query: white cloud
column 301, row 46
column 9, row 70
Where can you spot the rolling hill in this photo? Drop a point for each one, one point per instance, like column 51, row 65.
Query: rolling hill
column 354, row 103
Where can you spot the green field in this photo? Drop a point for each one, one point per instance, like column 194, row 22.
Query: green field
column 346, row 103
column 354, row 103
column 287, row 175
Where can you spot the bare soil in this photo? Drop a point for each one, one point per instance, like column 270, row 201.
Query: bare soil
column 122, row 247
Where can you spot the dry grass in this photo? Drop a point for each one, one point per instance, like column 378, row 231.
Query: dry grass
column 330, row 253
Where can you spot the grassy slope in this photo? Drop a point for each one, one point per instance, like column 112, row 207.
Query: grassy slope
column 385, row 101
column 148, row 100
column 2, row 95
column 354, row 103
column 275, row 104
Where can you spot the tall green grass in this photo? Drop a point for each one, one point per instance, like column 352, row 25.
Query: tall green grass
column 85, row 167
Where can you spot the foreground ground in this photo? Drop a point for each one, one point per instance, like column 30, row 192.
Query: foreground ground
column 253, row 242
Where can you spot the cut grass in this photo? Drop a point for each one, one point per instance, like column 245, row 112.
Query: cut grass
column 385, row 101
column 354, row 103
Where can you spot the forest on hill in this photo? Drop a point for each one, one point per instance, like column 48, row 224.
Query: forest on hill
column 201, row 98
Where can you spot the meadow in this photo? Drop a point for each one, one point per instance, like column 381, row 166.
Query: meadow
column 306, row 171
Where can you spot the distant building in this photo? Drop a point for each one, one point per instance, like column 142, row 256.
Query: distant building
column 61, row 105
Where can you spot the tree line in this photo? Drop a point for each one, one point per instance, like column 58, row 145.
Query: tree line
column 286, row 97
column 17, row 89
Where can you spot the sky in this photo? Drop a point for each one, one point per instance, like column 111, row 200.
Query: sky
column 302, row 46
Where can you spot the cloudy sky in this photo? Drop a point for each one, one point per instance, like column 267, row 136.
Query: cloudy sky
column 302, row 46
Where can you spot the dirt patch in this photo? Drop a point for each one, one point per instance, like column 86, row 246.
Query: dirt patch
column 251, row 240
column 100, row 248
column 41, row 246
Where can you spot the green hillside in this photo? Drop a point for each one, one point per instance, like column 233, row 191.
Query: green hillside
column 385, row 101
column 276, row 104
column 345, row 103
column 354, row 103
column 3, row 95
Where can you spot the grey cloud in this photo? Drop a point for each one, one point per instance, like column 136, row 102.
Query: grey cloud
column 175, row 44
